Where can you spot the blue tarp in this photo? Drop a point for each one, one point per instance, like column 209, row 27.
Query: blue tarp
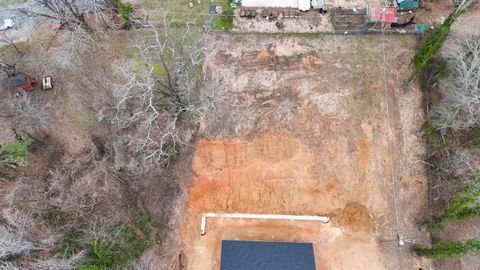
column 407, row 4
column 212, row 9
column 256, row 255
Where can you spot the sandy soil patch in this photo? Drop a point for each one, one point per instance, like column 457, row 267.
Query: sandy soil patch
column 308, row 132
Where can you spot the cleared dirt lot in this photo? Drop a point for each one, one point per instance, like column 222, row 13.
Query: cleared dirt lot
column 313, row 128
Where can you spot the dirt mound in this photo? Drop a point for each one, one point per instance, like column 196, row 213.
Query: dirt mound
column 355, row 218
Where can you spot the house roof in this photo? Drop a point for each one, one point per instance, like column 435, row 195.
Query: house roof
column 383, row 14
column 253, row 255
column 317, row 4
column 304, row 5
column 269, row 3
column 300, row 4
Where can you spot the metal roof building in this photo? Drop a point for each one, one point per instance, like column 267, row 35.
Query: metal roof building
column 382, row 14
column 257, row 255
column 303, row 5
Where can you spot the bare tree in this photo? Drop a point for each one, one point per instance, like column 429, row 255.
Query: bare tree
column 79, row 29
column 71, row 191
column 60, row 262
column 8, row 40
column 162, row 93
column 14, row 235
column 5, row 265
column 145, row 263
column 70, row 12
column 69, row 198
column 7, row 3
column 26, row 113
column 467, row 162
column 73, row 45
column 105, row 11
column 459, row 108
column 7, row 68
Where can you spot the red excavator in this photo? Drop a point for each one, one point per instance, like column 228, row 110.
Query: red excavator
column 17, row 82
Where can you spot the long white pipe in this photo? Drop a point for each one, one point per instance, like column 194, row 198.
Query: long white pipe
column 203, row 223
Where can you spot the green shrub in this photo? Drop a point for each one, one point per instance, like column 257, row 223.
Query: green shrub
column 172, row 150
column 225, row 23
column 124, row 245
column 101, row 254
column 150, row 228
column 226, row 20
column 146, row 223
column 125, row 9
column 15, row 154
column 443, row 69
column 428, row 127
column 70, row 245
column 449, row 250
column 91, row 267
column 465, row 205
column 128, row 245
column 433, row 42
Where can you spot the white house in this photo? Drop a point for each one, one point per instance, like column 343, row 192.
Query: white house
column 302, row 5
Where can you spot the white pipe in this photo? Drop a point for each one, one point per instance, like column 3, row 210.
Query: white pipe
column 203, row 223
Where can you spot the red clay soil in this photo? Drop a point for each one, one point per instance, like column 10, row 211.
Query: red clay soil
column 316, row 142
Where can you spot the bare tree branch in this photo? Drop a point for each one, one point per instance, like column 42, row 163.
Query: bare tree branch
column 161, row 92
column 7, row 68
column 14, row 235
column 26, row 113
column 459, row 108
